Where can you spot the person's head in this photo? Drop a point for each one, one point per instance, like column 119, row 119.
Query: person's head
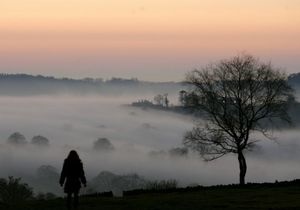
column 73, row 156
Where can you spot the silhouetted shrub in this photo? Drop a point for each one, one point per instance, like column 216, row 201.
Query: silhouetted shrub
column 47, row 178
column 40, row 141
column 13, row 192
column 162, row 185
column 47, row 172
column 45, row 196
column 174, row 152
column 103, row 144
column 107, row 181
column 101, row 194
column 17, row 139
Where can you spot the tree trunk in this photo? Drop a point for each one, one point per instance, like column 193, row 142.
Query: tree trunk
column 243, row 167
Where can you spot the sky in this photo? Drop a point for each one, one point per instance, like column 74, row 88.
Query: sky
column 157, row 40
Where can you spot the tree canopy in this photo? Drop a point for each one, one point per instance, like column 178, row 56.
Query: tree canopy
column 238, row 96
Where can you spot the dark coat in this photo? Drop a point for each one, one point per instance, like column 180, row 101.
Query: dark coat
column 72, row 175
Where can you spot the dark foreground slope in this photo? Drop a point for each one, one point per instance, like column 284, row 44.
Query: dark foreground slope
column 271, row 196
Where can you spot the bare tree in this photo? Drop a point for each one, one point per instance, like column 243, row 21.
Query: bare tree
column 103, row 144
column 17, row 139
column 40, row 141
column 182, row 98
column 159, row 100
column 166, row 100
column 239, row 96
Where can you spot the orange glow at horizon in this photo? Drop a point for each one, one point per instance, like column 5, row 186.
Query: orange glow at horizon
column 144, row 29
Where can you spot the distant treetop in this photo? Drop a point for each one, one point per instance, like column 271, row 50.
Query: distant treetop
column 17, row 139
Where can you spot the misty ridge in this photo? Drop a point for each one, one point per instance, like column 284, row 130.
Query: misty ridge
column 29, row 85
column 122, row 147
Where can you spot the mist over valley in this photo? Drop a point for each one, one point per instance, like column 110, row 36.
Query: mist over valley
column 112, row 136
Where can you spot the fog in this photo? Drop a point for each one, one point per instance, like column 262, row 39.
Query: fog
column 77, row 122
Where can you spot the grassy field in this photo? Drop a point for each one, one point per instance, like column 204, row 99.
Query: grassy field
column 250, row 197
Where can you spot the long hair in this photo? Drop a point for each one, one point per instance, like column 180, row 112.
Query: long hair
column 73, row 157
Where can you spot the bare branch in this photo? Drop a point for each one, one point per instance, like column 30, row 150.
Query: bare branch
column 239, row 96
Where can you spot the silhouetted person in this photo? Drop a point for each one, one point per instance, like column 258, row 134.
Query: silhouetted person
column 72, row 175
